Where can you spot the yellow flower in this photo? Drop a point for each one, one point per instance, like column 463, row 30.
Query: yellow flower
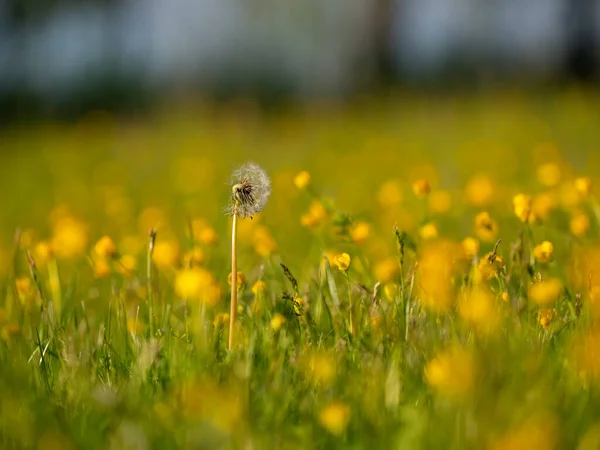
column 545, row 317
column 479, row 191
column 545, row 292
column 105, row 247
column 221, row 320
column 504, row 296
column 429, row 231
column 390, row 290
column 342, row 261
column 434, row 277
column 208, row 236
column 165, row 254
column 240, row 279
column 298, row 305
column 193, row 283
column 452, row 373
column 102, row 268
column 478, row 310
column 360, row 232
column 522, row 204
column 548, row 174
column 470, row 248
column 42, row 252
column 543, row 252
column 10, row 331
column 315, row 216
column 335, row 417
column 319, row 367
column 389, row 194
column 490, row 265
column 440, row 202
column 535, row 433
column 193, row 257
column 579, row 224
column 302, row 179
column 486, row 228
column 583, row 186
column 264, row 244
column 259, row 288
column 127, row 264
column 421, row 188
column 69, row 238
column 277, row 321
column 386, row 269
column 543, row 204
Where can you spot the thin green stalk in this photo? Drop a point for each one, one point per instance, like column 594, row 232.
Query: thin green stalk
column 233, row 306
column 151, row 241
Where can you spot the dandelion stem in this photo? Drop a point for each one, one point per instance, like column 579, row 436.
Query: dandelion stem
column 233, row 306
column 151, row 241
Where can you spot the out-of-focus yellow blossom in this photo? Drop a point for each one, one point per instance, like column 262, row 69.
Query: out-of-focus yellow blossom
column 421, row 188
column 208, row 236
column 277, row 321
column 240, row 279
column 579, row 224
column 10, row 331
column 594, row 301
column 315, row 216
column 42, row 253
column 24, row 289
column 434, row 277
column 302, row 180
column 522, row 204
column 390, row 193
column 543, row 252
column 105, row 247
column 390, row 290
column 470, row 248
column 490, row 266
column 452, row 373
column 386, row 269
column 135, row 326
column 479, row 191
column 569, row 197
column 360, row 232
column 429, row 231
column 583, row 186
column 193, row 283
column 319, row 367
column 543, row 204
column 221, row 320
column 486, row 228
column 69, row 238
column 335, row 417
column 342, row 261
column 440, row 202
column 264, row 244
column 505, row 296
column 539, row 432
column 548, row 174
column 127, row 264
column 165, row 254
column 477, row 308
column 151, row 218
column 545, row 317
column 546, row 291
column 193, row 257
column 102, row 268
column 259, row 288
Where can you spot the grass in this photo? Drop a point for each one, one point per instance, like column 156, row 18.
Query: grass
column 366, row 318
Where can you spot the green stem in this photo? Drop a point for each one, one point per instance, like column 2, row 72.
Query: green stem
column 351, row 328
column 233, row 305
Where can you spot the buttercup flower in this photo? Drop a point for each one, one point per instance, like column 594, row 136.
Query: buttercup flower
column 302, row 179
column 250, row 190
column 543, row 252
column 342, row 261
column 421, row 188
column 522, row 204
column 583, row 186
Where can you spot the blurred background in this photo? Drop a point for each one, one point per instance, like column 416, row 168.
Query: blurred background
column 62, row 58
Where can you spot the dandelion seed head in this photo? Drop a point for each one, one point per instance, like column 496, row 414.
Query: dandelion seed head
column 250, row 190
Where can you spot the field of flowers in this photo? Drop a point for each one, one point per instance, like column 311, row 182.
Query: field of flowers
column 425, row 274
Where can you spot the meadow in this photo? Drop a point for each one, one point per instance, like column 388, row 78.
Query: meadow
column 424, row 275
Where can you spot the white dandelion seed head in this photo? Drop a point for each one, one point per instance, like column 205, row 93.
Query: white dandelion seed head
column 251, row 187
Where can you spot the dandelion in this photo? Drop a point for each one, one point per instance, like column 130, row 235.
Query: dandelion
column 583, row 186
column 335, row 417
column 543, row 252
column 302, row 180
column 250, row 189
column 342, row 261
column 421, row 188
column 522, row 204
